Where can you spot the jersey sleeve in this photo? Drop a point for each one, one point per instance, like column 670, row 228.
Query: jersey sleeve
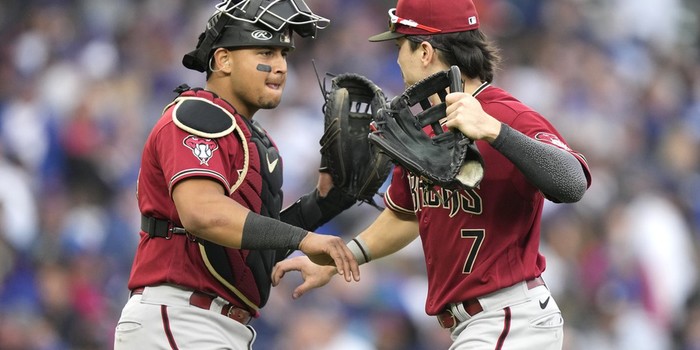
column 183, row 155
column 398, row 196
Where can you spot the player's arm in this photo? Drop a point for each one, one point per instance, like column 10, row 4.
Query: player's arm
column 555, row 172
column 207, row 212
column 389, row 233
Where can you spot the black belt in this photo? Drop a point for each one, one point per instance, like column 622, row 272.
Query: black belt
column 160, row 227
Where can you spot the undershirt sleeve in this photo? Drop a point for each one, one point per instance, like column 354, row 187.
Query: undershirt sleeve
column 556, row 173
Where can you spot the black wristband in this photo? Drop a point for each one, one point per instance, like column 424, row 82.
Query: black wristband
column 261, row 232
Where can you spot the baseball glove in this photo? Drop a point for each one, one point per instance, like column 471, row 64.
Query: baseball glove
column 440, row 157
column 346, row 153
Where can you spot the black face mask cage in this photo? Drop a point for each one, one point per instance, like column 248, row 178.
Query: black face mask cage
column 275, row 14
column 250, row 15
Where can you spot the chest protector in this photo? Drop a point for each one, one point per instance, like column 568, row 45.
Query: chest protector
column 209, row 116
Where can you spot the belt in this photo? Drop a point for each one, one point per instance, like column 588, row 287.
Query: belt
column 472, row 306
column 203, row 301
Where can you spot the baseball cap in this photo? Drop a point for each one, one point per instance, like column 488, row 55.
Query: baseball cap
column 427, row 17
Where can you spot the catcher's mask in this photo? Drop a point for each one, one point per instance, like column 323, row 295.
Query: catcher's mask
column 252, row 23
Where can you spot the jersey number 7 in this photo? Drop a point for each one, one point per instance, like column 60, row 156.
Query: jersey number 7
column 477, row 237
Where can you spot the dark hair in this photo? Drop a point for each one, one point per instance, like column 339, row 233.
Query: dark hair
column 471, row 51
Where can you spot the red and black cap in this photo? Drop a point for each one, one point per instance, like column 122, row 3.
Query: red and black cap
column 428, row 17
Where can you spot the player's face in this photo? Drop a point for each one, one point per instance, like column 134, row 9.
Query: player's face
column 409, row 61
column 255, row 88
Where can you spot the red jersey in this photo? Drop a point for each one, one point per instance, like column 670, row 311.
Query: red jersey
column 486, row 238
column 171, row 155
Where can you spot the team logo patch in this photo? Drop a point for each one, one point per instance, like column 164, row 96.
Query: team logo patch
column 551, row 139
column 203, row 149
column 261, row 35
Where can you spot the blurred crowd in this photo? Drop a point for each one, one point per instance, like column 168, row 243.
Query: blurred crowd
column 83, row 81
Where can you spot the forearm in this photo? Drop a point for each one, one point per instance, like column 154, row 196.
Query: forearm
column 555, row 172
column 206, row 212
column 389, row 233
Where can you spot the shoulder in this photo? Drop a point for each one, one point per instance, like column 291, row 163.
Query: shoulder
column 508, row 109
column 202, row 117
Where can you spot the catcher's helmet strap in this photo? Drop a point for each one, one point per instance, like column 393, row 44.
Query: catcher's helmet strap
column 197, row 59
column 203, row 118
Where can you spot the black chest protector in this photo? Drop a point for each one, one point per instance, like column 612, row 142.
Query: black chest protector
column 261, row 262
column 270, row 171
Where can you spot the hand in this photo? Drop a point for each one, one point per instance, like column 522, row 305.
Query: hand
column 464, row 112
column 331, row 250
column 314, row 276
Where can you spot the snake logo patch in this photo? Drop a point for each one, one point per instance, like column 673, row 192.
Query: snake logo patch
column 552, row 139
column 203, row 149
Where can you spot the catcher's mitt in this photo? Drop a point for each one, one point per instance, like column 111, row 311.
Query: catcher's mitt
column 444, row 158
column 346, row 153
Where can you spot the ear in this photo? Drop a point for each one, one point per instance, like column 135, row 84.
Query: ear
column 428, row 53
column 222, row 60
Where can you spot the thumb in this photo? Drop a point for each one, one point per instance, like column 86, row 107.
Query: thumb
column 301, row 290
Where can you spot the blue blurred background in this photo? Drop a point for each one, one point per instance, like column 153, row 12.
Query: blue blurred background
column 83, row 81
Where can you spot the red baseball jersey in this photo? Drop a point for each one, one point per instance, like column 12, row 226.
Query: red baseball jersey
column 172, row 155
column 486, row 238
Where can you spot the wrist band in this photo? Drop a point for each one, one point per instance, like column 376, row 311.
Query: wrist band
column 359, row 249
column 262, row 232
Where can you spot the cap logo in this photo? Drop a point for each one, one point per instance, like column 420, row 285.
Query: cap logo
column 472, row 20
column 261, row 35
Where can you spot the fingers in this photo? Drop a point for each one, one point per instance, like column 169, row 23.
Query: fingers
column 278, row 272
column 276, row 276
column 453, row 97
column 342, row 261
column 457, row 101
column 284, row 266
column 314, row 275
column 302, row 289
column 331, row 250
column 351, row 269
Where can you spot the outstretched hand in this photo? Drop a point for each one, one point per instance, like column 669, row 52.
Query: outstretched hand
column 314, row 275
column 331, row 250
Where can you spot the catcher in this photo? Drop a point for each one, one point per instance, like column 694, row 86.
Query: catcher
column 209, row 189
column 480, row 238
